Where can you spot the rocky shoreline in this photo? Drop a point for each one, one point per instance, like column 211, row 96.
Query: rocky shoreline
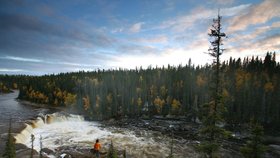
column 180, row 128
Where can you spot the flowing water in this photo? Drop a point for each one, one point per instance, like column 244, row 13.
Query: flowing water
column 61, row 131
column 72, row 132
column 10, row 108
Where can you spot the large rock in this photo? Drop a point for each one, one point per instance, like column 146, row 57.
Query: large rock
column 20, row 146
column 275, row 149
column 272, row 140
column 48, row 151
column 25, row 153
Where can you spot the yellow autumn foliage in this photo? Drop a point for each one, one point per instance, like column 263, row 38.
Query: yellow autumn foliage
column 268, row 87
column 86, row 102
column 175, row 106
column 139, row 101
column 200, row 80
column 70, row 99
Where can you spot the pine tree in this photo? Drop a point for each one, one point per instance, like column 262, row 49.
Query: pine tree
column 124, row 153
column 213, row 111
column 10, row 151
column 254, row 147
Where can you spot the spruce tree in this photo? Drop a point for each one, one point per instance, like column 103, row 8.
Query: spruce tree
column 10, row 151
column 254, row 147
column 212, row 116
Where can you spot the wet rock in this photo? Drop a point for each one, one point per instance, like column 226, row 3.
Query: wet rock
column 75, row 154
column 25, row 153
column 111, row 120
column 48, row 151
column 272, row 140
column 20, row 146
column 275, row 149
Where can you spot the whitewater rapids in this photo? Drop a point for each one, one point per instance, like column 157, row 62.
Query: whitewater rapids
column 72, row 131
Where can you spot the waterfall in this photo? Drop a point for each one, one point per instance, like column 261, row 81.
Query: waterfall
column 66, row 133
column 42, row 120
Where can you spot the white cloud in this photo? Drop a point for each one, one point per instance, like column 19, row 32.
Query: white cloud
column 276, row 24
column 181, row 23
column 48, row 62
column 21, row 59
column 135, row 28
column 156, row 39
column 257, row 14
column 258, row 48
column 10, row 70
column 257, row 33
column 118, row 30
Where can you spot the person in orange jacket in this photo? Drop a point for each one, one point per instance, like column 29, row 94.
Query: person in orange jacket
column 96, row 148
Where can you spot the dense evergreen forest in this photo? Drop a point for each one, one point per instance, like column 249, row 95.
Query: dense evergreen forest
column 251, row 89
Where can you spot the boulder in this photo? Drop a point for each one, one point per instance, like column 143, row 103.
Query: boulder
column 25, row 153
column 48, row 151
column 275, row 149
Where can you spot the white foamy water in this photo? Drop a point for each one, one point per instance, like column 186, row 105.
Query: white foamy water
column 60, row 131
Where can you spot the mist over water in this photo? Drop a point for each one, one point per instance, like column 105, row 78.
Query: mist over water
column 72, row 132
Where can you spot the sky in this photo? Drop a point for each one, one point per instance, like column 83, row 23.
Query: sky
column 40, row 37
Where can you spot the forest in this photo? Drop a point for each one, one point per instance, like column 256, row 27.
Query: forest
column 250, row 89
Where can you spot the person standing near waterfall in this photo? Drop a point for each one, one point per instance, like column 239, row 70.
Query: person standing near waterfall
column 96, row 148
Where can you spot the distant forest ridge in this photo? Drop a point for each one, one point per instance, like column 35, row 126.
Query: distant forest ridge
column 251, row 89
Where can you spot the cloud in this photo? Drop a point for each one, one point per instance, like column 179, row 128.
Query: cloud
column 117, row 30
column 135, row 28
column 276, row 24
column 270, row 43
column 256, row 14
column 256, row 48
column 223, row 2
column 13, row 22
column 10, row 70
column 21, row 59
column 257, row 33
column 182, row 23
column 44, row 47
column 48, row 62
column 136, row 49
column 156, row 39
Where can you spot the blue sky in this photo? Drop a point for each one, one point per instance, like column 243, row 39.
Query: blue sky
column 45, row 37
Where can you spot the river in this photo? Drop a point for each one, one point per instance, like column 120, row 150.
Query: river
column 66, row 133
column 10, row 108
